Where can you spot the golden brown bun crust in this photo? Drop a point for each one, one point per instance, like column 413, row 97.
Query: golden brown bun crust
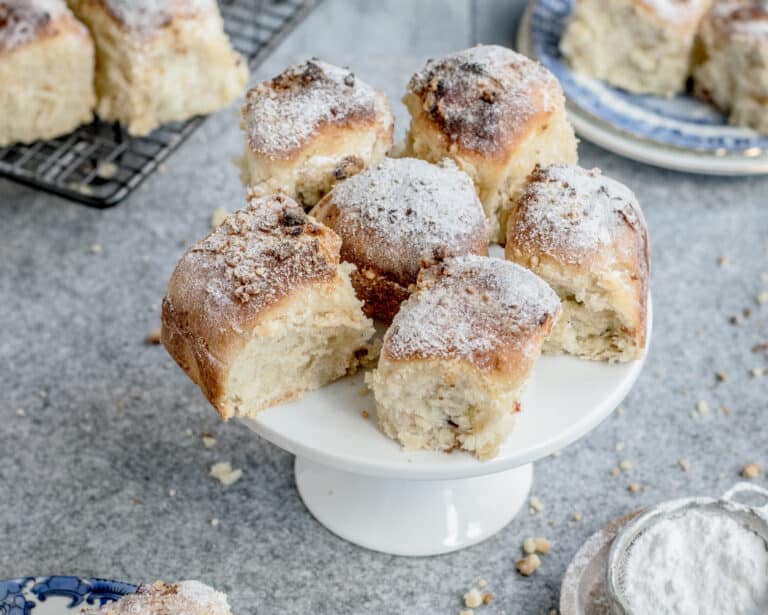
column 227, row 283
column 485, row 100
column 582, row 222
column 309, row 102
column 27, row 21
column 486, row 312
column 398, row 216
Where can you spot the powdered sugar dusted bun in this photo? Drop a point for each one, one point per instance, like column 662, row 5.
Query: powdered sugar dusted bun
column 160, row 61
column 585, row 234
column 309, row 127
column 260, row 310
column 642, row 46
column 496, row 113
column 458, row 353
column 397, row 216
column 730, row 63
column 183, row 598
column 46, row 71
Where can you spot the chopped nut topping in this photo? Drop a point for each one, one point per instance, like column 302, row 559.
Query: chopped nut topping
column 218, row 216
column 763, row 297
column 153, row 337
column 721, row 376
column 536, row 504
column 529, row 546
column 528, row 565
column 209, row 441
column 702, row 407
column 487, row 598
column 757, row 372
column 577, row 516
column 225, row 473
column 365, row 414
column 633, row 487
column 751, row 470
column 473, row 598
column 626, row 465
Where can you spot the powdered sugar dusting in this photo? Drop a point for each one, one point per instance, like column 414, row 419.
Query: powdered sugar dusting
column 741, row 18
column 484, row 96
column 571, row 213
column 184, row 598
column 21, row 20
column 677, row 11
column 146, row 16
column 404, row 212
column 471, row 307
column 281, row 115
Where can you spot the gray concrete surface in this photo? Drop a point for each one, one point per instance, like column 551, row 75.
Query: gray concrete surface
column 96, row 425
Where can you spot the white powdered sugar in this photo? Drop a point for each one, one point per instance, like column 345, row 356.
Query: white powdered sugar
column 280, row 115
column 21, row 20
column 697, row 563
column 483, row 97
column 469, row 307
column 677, row 11
column 740, row 18
column 570, row 213
column 184, row 598
column 402, row 212
column 143, row 17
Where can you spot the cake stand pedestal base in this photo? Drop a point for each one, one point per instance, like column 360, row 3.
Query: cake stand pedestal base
column 412, row 517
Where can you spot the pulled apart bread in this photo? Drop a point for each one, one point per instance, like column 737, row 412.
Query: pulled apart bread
column 159, row 62
column 731, row 61
column 311, row 126
column 642, row 46
column 46, row 71
column 458, row 353
column 261, row 311
column 585, row 235
column 497, row 114
column 397, row 216
column 184, row 598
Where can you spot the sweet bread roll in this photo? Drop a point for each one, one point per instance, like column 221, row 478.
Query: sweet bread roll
column 184, row 598
column 497, row 114
column 731, row 61
column 46, row 71
column 585, row 234
column 311, row 126
column 395, row 217
column 160, row 61
column 642, row 46
column 261, row 310
column 459, row 352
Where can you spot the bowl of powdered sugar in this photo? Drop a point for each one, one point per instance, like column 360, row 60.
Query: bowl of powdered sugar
column 693, row 556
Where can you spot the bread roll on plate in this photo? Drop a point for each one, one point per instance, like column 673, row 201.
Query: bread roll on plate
column 497, row 114
column 398, row 216
column 46, row 71
column 261, row 310
column 585, row 234
column 458, row 353
column 184, row 598
column 313, row 125
column 160, row 61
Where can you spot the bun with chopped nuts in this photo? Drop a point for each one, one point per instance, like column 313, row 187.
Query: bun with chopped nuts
column 183, row 598
column 497, row 114
column 585, row 234
column 398, row 216
column 313, row 125
column 261, row 311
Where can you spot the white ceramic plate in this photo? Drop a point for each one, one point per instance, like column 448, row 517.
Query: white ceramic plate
column 565, row 399
column 680, row 133
column 57, row 595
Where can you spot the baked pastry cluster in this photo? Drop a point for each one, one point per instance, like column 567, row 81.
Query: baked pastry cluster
column 183, row 598
column 276, row 302
column 654, row 46
column 46, row 71
column 497, row 114
column 159, row 61
column 311, row 126
column 731, row 61
column 585, row 234
column 139, row 62
column 458, row 353
column 395, row 218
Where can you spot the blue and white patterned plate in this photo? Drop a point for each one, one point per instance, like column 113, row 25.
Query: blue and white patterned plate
column 57, row 595
column 680, row 132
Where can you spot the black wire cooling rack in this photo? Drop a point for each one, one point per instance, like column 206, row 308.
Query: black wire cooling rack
column 100, row 164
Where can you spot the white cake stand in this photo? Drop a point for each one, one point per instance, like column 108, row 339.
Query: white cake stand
column 365, row 488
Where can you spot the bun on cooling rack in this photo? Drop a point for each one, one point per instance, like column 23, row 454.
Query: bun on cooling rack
column 261, row 310
column 159, row 62
column 458, row 353
column 585, row 234
column 310, row 127
column 397, row 216
column 641, row 46
column 497, row 114
column 731, row 61
column 46, row 71
column 184, row 598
